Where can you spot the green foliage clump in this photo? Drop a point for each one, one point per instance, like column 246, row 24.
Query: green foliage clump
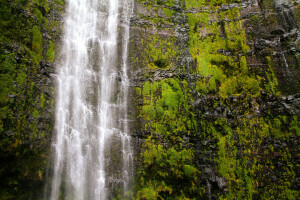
column 209, row 41
column 295, row 126
column 37, row 42
column 38, row 15
column 167, row 116
column 195, row 3
column 243, row 163
column 152, row 3
column 167, row 173
column 189, row 171
column 166, row 107
column 7, row 75
column 237, row 85
column 50, row 52
column 156, row 48
column 156, row 51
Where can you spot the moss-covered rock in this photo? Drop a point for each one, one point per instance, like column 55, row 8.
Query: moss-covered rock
column 222, row 101
column 26, row 93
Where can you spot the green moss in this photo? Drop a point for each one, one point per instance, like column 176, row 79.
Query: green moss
column 163, row 169
column 195, row 4
column 152, row 3
column 295, row 126
column 227, row 75
column 166, row 112
column 152, row 190
column 50, row 52
column 61, row 2
column 270, row 80
column 42, row 100
column 35, row 113
column 37, row 42
column 237, row 85
column 157, row 52
column 166, row 104
column 22, row 141
column 7, row 75
column 243, row 173
column 189, row 171
column 247, row 147
column 167, row 12
column 38, row 15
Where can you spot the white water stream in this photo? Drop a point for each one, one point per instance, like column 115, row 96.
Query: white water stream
column 92, row 146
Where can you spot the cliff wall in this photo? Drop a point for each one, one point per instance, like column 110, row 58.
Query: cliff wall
column 217, row 98
column 29, row 30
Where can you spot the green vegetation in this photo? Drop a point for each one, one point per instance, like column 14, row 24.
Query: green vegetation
column 209, row 40
column 160, row 52
column 243, row 167
column 50, row 53
column 156, row 3
column 37, row 42
column 251, row 163
column 167, row 173
column 25, row 124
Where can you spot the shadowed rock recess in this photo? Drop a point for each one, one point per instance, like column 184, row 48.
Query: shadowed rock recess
column 213, row 100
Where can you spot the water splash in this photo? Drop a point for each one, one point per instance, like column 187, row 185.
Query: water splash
column 92, row 147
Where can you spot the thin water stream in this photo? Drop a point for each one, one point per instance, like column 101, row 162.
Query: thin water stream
column 92, row 146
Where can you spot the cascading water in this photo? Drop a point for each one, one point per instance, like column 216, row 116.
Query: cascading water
column 92, row 146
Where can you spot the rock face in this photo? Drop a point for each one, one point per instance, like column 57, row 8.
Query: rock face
column 28, row 32
column 216, row 98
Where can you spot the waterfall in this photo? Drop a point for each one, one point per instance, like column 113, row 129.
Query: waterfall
column 92, row 145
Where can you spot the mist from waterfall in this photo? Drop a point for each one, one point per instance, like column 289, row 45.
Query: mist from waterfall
column 92, row 146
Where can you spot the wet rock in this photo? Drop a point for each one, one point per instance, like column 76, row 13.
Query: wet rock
column 221, row 182
column 290, row 98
